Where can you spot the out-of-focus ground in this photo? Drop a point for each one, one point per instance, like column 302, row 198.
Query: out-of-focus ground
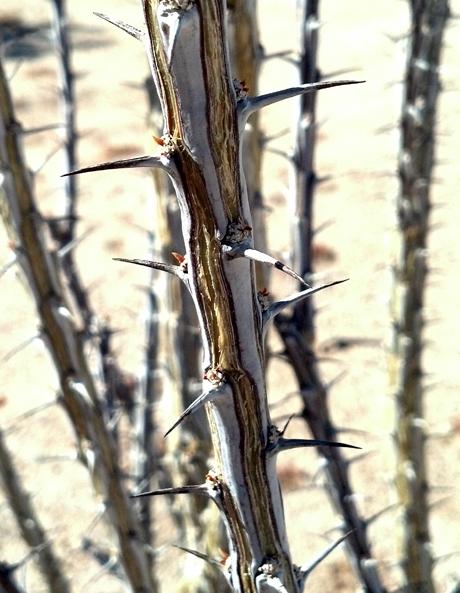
column 357, row 151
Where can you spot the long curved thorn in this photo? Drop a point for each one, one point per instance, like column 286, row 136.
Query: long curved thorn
column 264, row 258
column 198, row 403
column 199, row 489
column 156, row 265
column 133, row 31
column 251, row 104
column 286, row 444
column 132, row 163
column 274, row 308
column 307, row 569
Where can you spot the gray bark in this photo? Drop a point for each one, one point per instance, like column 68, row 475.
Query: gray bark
column 415, row 165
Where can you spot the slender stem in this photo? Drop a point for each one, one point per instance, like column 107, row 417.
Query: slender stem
column 416, row 158
column 29, row 524
column 298, row 330
column 79, row 395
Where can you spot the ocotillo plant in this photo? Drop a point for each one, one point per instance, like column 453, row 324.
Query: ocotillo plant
column 79, row 395
column 205, row 112
column 297, row 329
column 416, row 157
column 63, row 224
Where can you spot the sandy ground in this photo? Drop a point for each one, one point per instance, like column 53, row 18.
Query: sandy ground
column 357, row 149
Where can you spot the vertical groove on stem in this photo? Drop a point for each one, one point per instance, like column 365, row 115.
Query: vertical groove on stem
column 186, row 451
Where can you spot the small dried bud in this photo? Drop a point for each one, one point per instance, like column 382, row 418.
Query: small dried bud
column 241, row 90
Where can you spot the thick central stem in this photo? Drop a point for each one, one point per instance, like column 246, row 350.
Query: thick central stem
column 187, row 47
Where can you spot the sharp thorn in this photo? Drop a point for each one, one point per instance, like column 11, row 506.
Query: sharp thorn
column 197, row 404
column 40, row 129
column 11, row 353
column 373, row 518
column 199, row 489
column 175, row 270
column 256, row 255
column 307, row 569
column 286, row 444
column 204, row 557
column 63, row 251
column 288, row 421
column 133, row 31
column 278, row 306
column 132, row 163
column 251, row 104
column 8, row 265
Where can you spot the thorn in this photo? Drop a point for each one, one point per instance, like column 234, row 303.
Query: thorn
column 279, row 54
column 28, row 414
column 284, row 399
column 372, row 518
column 251, row 104
column 40, row 129
column 333, row 382
column 8, row 265
column 9, row 355
column 281, row 153
column 156, row 265
column 197, row 404
column 133, row 31
column 47, row 159
column 285, row 444
column 204, row 557
column 132, row 163
column 199, row 489
column 63, row 251
column 288, row 421
column 322, row 227
column 256, row 255
column 359, row 457
column 267, row 139
column 307, row 569
column 278, row 306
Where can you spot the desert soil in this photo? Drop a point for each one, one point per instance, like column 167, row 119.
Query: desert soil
column 357, row 151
